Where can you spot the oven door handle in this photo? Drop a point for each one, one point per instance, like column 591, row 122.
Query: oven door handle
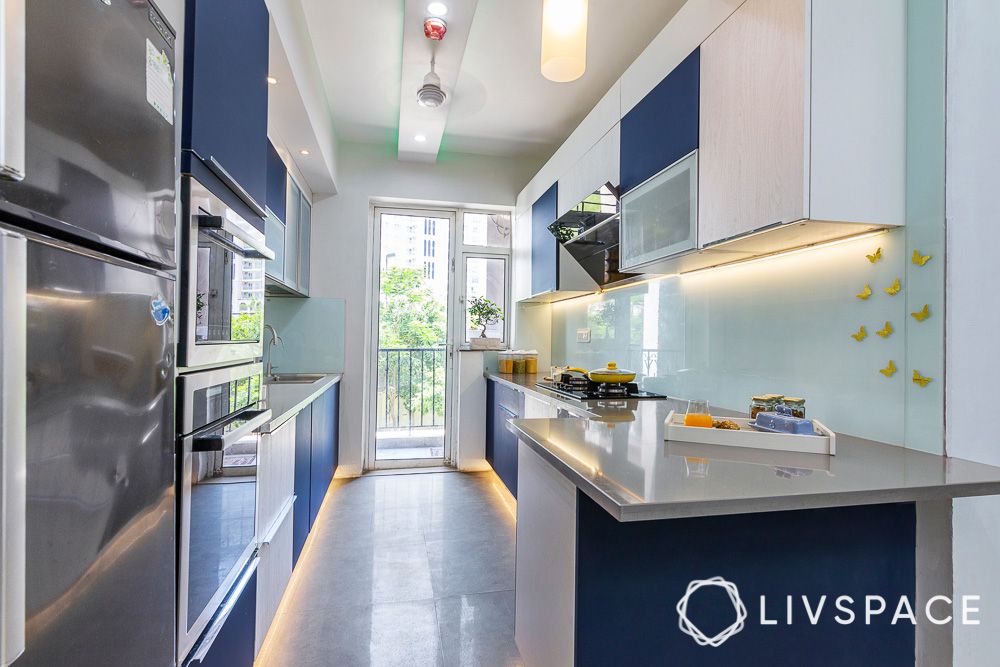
column 218, row 222
column 214, row 442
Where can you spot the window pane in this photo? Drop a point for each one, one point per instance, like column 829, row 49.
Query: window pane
column 486, row 277
column 487, row 229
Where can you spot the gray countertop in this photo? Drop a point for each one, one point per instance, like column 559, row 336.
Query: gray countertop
column 287, row 400
column 618, row 457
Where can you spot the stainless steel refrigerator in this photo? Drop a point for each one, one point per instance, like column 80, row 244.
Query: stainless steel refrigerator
column 87, row 229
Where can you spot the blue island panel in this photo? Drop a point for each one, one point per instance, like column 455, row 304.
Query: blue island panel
column 630, row 577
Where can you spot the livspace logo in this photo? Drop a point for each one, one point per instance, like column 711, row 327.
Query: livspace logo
column 938, row 610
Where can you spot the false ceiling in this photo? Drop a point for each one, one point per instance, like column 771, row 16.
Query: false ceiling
column 373, row 56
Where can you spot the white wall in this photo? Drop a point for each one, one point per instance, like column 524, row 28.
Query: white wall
column 341, row 252
column 973, row 318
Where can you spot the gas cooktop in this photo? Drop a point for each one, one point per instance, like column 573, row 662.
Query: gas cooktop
column 583, row 389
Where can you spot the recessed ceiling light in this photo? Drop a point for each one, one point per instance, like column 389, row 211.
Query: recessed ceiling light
column 272, row 80
column 303, row 152
column 437, row 9
column 420, row 138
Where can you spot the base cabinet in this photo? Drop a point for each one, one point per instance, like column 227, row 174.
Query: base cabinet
column 325, row 437
column 504, row 404
column 234, row 644
column 273, row 573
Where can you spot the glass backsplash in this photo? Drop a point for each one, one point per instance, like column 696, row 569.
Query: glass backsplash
column 312, row 331
column 782, row 324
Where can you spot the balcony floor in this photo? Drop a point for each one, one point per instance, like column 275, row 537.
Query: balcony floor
column 407, row 569
column 397, row 444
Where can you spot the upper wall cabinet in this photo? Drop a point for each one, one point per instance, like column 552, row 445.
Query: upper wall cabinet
column 224, row 133
column 288, row 273
column 802, row 117
column 544, row 248
column 598, row 166
column 663, row 127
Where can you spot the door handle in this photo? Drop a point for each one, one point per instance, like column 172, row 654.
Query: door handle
column 13, row 419
column 12, row 99
column 243, row 232
column 217, row 438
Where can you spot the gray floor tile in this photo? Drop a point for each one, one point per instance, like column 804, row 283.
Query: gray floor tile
column 403, row 570
column 477, row 631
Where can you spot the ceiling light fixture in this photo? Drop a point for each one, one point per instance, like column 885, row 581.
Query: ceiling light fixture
column 435, row 29
column 272, row 80
column 564, row 40
column 420, row 138
column 437, row 9
column 430, row 94
column 303, row 152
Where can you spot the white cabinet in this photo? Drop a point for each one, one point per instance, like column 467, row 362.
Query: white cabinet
column 273, row 572
column 275, row 475
column 597, row 166
column 802, row 116
column 659, row 217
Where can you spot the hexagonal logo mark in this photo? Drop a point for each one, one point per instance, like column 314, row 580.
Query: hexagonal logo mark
column 692, row 630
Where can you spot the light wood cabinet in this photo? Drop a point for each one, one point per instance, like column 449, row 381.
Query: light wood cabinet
column 275, row 475
column 802, row 116
column 598, row 166
column 273, row 573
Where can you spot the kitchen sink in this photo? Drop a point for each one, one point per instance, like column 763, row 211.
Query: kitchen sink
column 294, row 378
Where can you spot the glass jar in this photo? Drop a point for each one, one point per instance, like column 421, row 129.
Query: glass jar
column 531, row 362
column 505, row 361
column 518, row 363
column 759, row 404
column 796, row 405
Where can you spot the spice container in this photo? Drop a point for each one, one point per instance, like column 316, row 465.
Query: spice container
column 796, row 405
column 505, row 361
column 518, row 362
column 759, row 404
column 531, row 361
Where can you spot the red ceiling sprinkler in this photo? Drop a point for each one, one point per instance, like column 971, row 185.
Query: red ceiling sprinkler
column 435, row 28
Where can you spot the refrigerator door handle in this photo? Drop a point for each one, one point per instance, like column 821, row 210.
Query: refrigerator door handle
column 13, row 463
column 12, row 100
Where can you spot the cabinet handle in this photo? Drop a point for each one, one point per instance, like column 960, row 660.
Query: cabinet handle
column 12, row 99
column 13, row 461
column 224, row 176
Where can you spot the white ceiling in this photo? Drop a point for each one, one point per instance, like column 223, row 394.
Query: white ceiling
column 501, row 104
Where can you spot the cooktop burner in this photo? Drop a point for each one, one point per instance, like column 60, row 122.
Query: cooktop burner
column 583, row 389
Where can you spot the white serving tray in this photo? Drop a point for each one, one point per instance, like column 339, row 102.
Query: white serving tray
column 823, row 443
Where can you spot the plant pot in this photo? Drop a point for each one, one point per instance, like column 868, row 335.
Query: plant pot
column 479, row 343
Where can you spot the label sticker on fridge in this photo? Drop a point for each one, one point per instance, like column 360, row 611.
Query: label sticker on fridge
column 159, row 310
column 159, row 82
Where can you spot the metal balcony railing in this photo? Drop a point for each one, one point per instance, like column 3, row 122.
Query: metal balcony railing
column 411, row 387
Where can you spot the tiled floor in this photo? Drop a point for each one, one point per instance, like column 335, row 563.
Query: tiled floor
column 414, row 569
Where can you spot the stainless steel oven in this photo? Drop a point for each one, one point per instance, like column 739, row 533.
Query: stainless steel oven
column 222, row 282
column 219, row 413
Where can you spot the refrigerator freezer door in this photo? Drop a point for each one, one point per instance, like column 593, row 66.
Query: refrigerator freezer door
column 100, row 462
column 99, row 127
column 13, row 253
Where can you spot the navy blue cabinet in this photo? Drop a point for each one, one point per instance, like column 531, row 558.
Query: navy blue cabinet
column 544, row 247
column 325, row 439
column 224, row 122
column 277, row 179
column 303, row 477
column 503, row 403
column 234, row 645
column 663, row 127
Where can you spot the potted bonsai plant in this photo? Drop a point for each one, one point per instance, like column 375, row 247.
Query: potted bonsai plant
column 484, row 313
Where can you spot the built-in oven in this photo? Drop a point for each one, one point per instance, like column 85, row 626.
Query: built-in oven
column 219, row 413
column 221, row 283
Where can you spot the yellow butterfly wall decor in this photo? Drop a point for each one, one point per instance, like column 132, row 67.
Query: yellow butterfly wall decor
column 876, row 256
column 865, row 293
column 893, row 289
column 889, row 370
column 861, row 334
column 922, row 314
column 885, row 331
column 920, row 379
column 919, row 259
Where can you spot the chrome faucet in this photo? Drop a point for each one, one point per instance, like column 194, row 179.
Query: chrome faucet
column 275, row 339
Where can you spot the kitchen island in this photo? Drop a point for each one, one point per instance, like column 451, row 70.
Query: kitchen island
column 614, row 523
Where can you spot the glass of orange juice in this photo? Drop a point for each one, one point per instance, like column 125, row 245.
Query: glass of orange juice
column 698, row 414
